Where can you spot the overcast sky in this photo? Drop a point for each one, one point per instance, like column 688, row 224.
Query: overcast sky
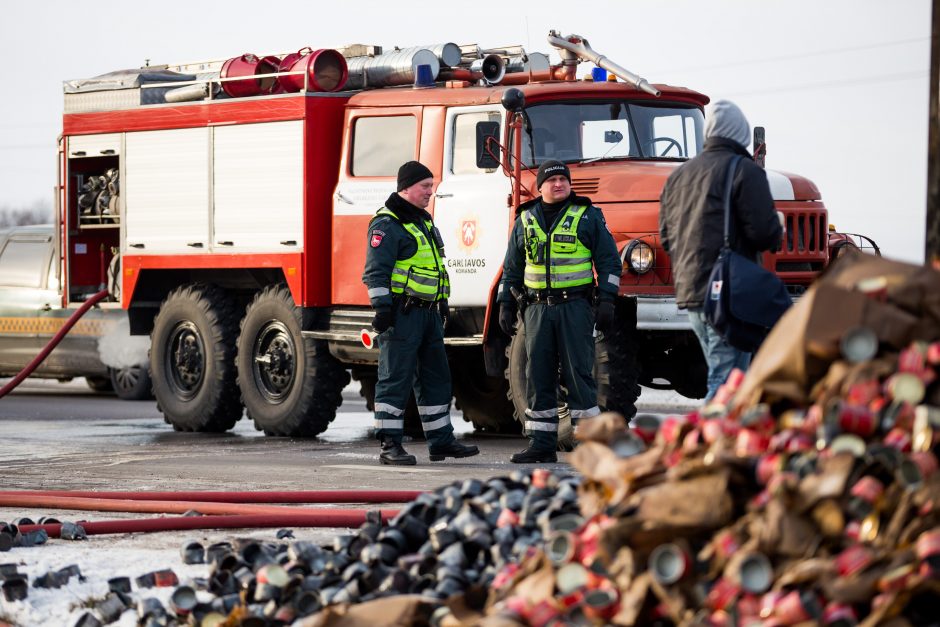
column 842, row 86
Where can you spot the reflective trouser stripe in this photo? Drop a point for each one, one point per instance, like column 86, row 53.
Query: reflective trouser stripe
column 388, row 409
column 436, row 424
column 389, row 424
column 543, row 413
column 577, row 414
column 532, row 425
column 430, row 410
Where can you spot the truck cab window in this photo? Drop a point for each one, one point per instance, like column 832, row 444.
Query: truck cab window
column 22, row 263
column 381, row 144
column 610, row 129
column 465, row 137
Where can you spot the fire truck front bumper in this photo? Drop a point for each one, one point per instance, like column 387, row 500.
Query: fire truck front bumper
column 660, row 313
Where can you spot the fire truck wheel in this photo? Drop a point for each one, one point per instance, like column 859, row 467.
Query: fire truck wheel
column 291, row 385
column 366, row 379
column 515, row 374
column 192, row 359
column 131, row 383
column 616, row 370
column 482, row 399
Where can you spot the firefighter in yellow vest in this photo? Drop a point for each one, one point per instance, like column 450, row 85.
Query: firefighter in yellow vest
column 558, row 242
column 408, row 289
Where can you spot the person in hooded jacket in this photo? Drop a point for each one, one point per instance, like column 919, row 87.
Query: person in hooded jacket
column 408, row 289
column 691, row 226
column 557, row 243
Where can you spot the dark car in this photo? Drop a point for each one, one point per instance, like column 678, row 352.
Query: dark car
column 31, row 313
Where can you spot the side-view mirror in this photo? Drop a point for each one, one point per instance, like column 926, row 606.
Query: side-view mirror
column 487, row 145
column 760, row 146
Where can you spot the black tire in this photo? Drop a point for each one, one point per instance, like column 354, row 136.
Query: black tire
column 413, row 428
column 290, row 385
column 99, row 384
column 616, row 369
column 483, row 399
column 132, row 383
column 515, row 375
column 197, row 324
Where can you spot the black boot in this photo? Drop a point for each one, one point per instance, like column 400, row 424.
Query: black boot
column 394, row 454
column 452, row 449
column 533, row 455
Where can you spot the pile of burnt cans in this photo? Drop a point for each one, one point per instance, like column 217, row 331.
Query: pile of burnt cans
column 447, row 543
column 764, row 515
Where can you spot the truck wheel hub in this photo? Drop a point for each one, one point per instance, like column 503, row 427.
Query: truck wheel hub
column 273, row 362
column 186, row 362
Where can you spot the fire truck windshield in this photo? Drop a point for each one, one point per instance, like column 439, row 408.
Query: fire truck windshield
column 610, row 129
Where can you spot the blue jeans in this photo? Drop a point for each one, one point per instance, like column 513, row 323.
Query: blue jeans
column 720, row 356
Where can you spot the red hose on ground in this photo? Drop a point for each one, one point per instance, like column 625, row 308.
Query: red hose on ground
column 297, row 496
column 28, row 370
column 336, row 518
column 153, row 507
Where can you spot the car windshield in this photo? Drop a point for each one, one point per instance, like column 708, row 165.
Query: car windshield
column 610, row 129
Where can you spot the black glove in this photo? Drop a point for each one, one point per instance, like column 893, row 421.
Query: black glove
column 382, row 320
column 604, row 318
column 507, row 318
column 444, row 310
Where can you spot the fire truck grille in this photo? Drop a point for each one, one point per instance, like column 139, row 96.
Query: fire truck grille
column 806, row 233
column 585, row 186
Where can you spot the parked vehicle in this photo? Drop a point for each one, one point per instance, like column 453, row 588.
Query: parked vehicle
column 32, row 312
column 238, row 216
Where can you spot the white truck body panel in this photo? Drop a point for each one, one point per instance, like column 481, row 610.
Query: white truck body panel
column 95, row 145
column 166, row 190
column 258, row 184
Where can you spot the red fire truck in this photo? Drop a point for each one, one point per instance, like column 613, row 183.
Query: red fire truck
column 229, row 204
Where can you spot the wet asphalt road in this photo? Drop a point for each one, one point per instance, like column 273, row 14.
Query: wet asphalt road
column 64, row 436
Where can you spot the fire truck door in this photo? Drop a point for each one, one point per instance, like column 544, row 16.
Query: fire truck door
column 470, row 208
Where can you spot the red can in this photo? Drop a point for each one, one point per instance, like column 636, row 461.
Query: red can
column 853, row 560
column 913, row 359
column 712, row 431
column 863, row 392
column 798, row 606
column 646, row 426
column 750, row 443
column 540, row 477
column 542, row 613
column 933, row 354
column 769, row 465
column 726, row 544
column 840, row 612
column 601, row 603
column 507, row 518
column 928, row 543
column 671, row 429
column 899, row 438
column 857, row 419
column 722, row 594
column 165, row 578
column 868, row 489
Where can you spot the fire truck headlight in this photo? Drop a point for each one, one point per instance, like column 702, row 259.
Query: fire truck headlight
column 638, row 257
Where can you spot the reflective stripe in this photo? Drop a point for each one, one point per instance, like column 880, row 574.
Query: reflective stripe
column 499, row 290
column 585, row 413
column 389, row 409
column 389, row 424
column 430, row 410
column 535, row 276
column 375, row 292
column 541, row 426
column 613, row 278
column 542, row 413
column 440, row 423
column 430, row 281
column 558, row 277
column 570, row 261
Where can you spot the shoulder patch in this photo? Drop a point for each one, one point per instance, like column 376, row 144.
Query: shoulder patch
column 376, row 237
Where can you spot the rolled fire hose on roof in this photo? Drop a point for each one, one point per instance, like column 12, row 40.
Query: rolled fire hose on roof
column 298, row 496
column 152, row 507
column 326, row 518
column 31, row 366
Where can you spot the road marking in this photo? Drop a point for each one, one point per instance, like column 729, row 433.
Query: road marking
column 376, row 466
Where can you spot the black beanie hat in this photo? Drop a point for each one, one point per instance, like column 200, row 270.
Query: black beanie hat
column 412, row 172
column 549, row 169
